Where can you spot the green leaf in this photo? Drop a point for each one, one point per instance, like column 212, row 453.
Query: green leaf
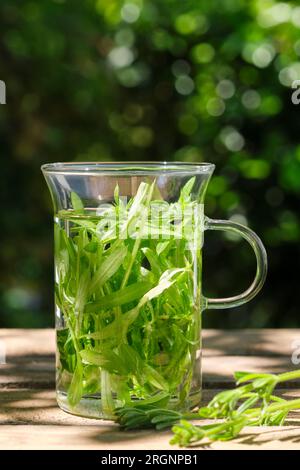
column 117, row 194
column 77, row 203
column 91, row 379
column 76, row 388
column 108, row 332
column 109, row 266
column 187, row 188
column 91, row 247
column 106, row 394
column 66, row 350
column 161, row 247
column 159, row 400
column 120, row 297
column 167, row 279
column 138, row 200
column 153, row 260
column 243, row 377
column 82, row 290
column 156, row 379
column 88, row 224
column 123, row 361
column 93, row 357
column 130, row 357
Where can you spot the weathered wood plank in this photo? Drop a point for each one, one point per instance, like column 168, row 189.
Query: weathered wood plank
column 30, row 356
column 266, row 342
column 251, row 342
column 217, row 371
column 31, row 419
column 103, row 437
column 23, row 343
column 39, row 407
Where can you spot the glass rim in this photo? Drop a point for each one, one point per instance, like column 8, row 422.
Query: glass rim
column 127, row 167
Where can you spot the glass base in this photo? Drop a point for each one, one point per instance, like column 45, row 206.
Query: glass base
column 90, row 407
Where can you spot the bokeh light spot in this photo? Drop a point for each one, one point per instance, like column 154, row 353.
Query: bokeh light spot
column 263, row 55
column 188, row 153
column 181, row 67
column 232, row 139
column 121, row 57
column 288, row 74
column 142, row 136
column 251, row 99
column 161, row 39
column 296, row 17
column 215, row 107
column 131, row 77
column 191, row 22
column 130, row 12
column 255, row 168
column 297, row 47
column 125, row 37
column 217, row 185
column 20, row 298
column 225, row 89
column 270, row 105
column 279, row 13
column 203, row 53
column 184, row 85
column 289, row 225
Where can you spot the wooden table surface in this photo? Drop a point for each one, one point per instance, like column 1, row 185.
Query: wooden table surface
column 30, row 418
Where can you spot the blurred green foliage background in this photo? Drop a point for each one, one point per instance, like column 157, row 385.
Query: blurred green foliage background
column 185, row 80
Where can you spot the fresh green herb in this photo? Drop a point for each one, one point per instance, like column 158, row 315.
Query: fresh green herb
column 128, row 299
column 77, row 203
column 232, row 410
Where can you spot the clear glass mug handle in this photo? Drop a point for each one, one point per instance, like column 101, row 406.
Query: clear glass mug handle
column 261, row 260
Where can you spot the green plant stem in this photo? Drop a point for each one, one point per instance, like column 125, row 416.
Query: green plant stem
column 107, row 403
column 284, row 377
column 137, row 242
column 288, row 405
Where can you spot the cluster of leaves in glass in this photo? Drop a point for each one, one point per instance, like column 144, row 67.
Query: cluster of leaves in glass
column 130, row 306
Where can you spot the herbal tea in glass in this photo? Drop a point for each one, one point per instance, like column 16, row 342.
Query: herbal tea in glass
column 128, row 244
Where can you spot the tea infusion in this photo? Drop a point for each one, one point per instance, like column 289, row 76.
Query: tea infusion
column 128, row 297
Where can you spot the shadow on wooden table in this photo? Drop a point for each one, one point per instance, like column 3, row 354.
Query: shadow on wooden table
column 38, row 409
column 250, row 342
column 281, row 434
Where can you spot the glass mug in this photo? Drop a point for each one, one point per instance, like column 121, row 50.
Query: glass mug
column 128, row 297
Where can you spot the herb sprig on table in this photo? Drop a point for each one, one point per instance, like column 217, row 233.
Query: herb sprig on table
column 251, row 403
